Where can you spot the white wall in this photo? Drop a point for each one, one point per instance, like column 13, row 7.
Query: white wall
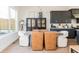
column 32, row 11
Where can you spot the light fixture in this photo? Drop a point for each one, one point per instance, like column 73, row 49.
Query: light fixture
column 40, row 12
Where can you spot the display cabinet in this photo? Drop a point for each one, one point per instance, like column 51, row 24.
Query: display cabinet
column 35, row 23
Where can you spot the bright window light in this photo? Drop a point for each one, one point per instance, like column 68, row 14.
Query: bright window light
column 4, row 12
column 7, row 19
column 12, row 13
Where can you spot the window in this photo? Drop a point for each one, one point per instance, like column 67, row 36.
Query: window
column 12, row 20
column 7, row 19
column 4, row 12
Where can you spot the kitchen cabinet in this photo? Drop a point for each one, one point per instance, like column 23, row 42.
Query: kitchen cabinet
column 77, row 20
column 77, row 36
column 60, row 17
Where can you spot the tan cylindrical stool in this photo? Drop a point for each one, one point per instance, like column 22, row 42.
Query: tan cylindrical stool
column 37, row 40
column 50, row 40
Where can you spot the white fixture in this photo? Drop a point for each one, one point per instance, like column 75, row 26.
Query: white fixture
column 24, row 38
column 62, row 40
column 21, row 25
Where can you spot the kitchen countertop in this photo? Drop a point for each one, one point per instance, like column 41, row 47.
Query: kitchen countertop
column 77, row 29
column 61, row 28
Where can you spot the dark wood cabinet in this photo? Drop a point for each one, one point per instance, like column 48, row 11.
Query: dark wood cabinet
column 60, row 17
column 35, row 23
column 77, row 20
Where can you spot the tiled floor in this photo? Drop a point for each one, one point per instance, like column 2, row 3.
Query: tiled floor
column 15, row 48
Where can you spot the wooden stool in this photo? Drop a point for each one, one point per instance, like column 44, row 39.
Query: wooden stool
column 37, row 40
column 50, row 40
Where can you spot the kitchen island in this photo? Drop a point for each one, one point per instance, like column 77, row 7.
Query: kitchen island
column 71, row 31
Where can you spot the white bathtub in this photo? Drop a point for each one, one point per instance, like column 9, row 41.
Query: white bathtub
column 7, row 39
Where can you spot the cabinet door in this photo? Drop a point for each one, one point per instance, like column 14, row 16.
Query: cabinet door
column 28, row 24
column 77, row 37
column 33, row 23
column 72, row 33
column 43, row 23
column 77, row 20
column 39, row 23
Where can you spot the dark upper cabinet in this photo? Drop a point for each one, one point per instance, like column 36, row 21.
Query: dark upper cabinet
column 60, row 17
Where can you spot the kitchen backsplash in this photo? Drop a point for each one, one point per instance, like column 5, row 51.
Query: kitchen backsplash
column 73, row 24
column 63, row 25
